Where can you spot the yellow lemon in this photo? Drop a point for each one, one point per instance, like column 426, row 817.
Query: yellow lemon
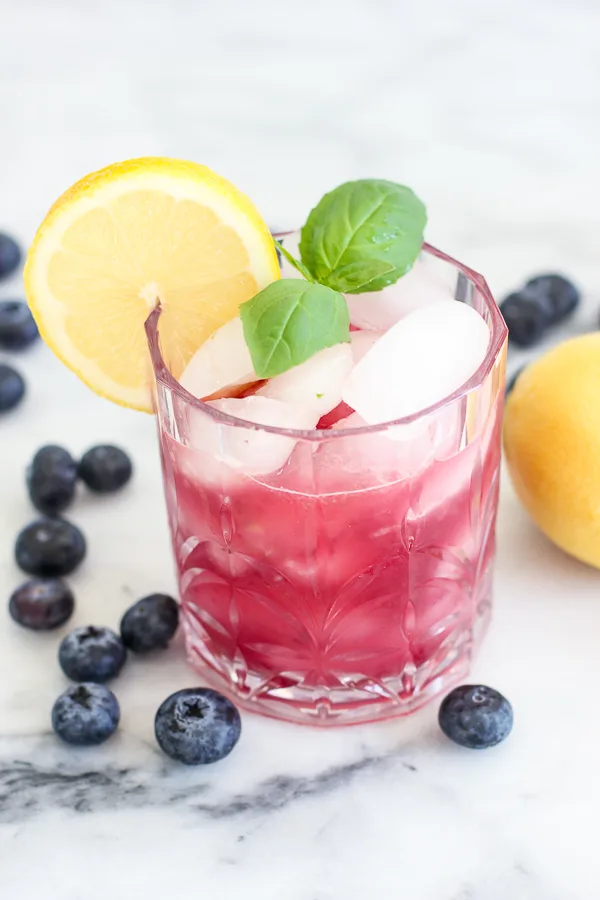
column 552, row 444
column 127, row 238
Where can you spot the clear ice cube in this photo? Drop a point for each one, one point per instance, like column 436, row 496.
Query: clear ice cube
column 252, row 451
column 221, row 364
column 423, row 359
column 314, row 385
column 361, row 342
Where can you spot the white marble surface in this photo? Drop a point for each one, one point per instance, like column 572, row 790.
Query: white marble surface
column 491, row 112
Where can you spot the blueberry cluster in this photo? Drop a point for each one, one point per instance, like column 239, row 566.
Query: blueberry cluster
column 49, row 548
column 53, row 474
column 195, row 725
column 544, row 301
column 52, row 547
column 17, row 328
column 89, row 712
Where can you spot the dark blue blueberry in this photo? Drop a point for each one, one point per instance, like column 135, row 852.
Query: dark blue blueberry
column 86, row 714
column 91, row 654
column 10, row 256
column 562, row 294
column 510, row 383
column 50, row 548
column 12, row 388
column 527, row 315
column 476, row 716
column 150, row 623
column 51, row 480
column 197, row 726
column 105, row 469
column 17, row 326
column 42, row 604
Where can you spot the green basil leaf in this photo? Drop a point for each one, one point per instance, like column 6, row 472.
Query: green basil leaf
column 289, row 321
column 360, row 221
column 296, row 263
column 357, row 277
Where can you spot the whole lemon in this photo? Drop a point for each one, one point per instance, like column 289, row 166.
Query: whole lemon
column 552, row 444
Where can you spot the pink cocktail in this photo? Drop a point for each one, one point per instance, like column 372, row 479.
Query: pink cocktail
column 350, row 580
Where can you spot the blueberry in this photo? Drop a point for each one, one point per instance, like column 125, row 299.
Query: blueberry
column 197, row 726
column 86, row 714
column 12, row 388
column 17, row 326
column 513, row 380
column 527, row 315
column 476, row 716
column 562, row 294
column 91, row 654
column 51, row 479
column 150, row 623
column 105, row 469
column 50, row 547
column 10, row 256
column 42, row 604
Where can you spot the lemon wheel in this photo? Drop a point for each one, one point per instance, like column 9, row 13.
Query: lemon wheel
column 135, row 235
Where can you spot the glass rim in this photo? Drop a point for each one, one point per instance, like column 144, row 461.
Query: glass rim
column 498, row 335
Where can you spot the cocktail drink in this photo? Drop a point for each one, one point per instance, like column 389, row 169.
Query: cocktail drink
column 342, row 573
column 329, row 426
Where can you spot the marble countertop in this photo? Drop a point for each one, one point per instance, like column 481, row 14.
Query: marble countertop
column 491, row 112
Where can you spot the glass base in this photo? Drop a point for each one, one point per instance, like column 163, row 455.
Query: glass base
column 355, row 699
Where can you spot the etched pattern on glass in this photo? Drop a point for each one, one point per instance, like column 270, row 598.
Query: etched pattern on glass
column 355, row 582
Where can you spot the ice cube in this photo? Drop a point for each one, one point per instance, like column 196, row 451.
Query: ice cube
column 361, row 342
column 437, row 435
column 314, row 385
column 241, row 447
column 221, row 364
column 357, row 461
column 387, row 456
column 398, row 433
column 420, row 287
column 421, row 360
